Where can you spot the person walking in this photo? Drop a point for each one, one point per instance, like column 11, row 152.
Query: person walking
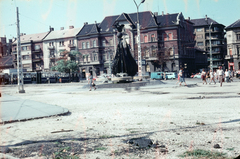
column 220, row 74
column 211, row 77
column 178, row 79
column 182, row 77
column 203, row 76
column 91, row 83
column 227, row 76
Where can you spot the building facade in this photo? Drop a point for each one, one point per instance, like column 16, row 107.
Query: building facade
column 167, row 42
column 31, row 50
column 57, row 44
column 233, row 45
column 202, row 36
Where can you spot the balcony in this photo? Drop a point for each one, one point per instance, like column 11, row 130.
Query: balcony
column 37, row 50
column 51, row 47
column 228, row 57
column 37, row 59
column 215, row 59
column 52, row 57
column 71, row 45
column 14, row 52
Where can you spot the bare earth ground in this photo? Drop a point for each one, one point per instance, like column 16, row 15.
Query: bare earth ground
column 152, row 122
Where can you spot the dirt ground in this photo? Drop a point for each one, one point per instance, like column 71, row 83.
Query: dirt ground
column 152, row 122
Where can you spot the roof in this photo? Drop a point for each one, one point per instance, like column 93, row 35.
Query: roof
column 145, row 18
column 89, row 29
column 236, row 24
column 107, row 23
column 6, row 61
column 33, row 37
column 60, row 34
column 203, row 22
column 167, row 19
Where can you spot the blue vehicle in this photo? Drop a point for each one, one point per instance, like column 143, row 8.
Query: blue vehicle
column 156, row 75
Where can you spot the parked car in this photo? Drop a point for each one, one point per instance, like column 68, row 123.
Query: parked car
column 198, row 75
column 156, row 75
column 171, row 75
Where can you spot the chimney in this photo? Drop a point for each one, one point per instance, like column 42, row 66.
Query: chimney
column 156, row 13
column 71, row 27
column 85, row 23
column 62, row 28
column 167, row 13
column 162, row 13
column 189, row 18
column 21, row 34
column 51, row 29
column 206, row 17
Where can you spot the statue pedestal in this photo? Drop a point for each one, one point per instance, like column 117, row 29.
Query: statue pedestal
column 122, row 77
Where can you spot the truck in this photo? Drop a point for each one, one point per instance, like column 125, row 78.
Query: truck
column 156, row 75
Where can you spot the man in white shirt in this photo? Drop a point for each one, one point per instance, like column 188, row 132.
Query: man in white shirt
column 220, row 74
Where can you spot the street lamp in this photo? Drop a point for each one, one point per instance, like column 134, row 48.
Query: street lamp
column 210, row 47
column 139, row 44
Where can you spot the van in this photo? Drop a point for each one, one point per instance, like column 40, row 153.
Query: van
column 156, row 75
column 171, row 75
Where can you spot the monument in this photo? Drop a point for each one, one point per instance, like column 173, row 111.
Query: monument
column 124, row 66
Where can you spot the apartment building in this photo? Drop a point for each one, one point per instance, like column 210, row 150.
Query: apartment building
column 233, row 45
column 202, row 38
column 31, row 50
column 170, row 34
column 57, row 44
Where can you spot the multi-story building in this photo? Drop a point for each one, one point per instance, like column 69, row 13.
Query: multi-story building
column 201, row 31
column 167, row 42
column 31, row 50
column 233, row 45
column 57, row 44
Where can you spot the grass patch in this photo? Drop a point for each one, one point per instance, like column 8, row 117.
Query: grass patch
column 139, row 123
column 171, row 122
column 107, row 136
column 100, row 148
column 200, row 123
column 199, row 153
column 227, row 137
column 230, row 149
column 132, row 132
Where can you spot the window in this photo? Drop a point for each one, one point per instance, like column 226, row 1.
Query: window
column 95, row 57
column 88, row 46
column 199, row 36
column 167, row 36
column 94, row 43
column 199, row 29
column 83, row 45
column 216, row 29
column 152, row 38
column 25, row 57
column 145, row 39
column 104, row 43
column 50, row 43
column 200, row 44
column 230, row 52
column 111, row 42
column 238, row 36
column 216, row 42
column 61, row 43
column 171, row 51
column 26, row 65
column 104, row 57
column 37, row 47
column 24, row 48
column 89, row 58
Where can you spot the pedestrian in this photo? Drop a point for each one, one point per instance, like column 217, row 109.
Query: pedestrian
column 164, row 76
column 208, row 76
column 215, row 75
column 226, row 75
column 220, row 75
column 178, row 79
column 203, row 76
column 182, row 77
column 212, row 77
column 91, row 83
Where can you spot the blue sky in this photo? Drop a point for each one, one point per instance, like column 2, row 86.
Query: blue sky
column 37, row 15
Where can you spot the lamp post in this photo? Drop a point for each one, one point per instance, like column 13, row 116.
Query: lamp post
column 139, row 44
column 211, row 62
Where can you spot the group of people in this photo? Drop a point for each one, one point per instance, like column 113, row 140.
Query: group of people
column 220, row 75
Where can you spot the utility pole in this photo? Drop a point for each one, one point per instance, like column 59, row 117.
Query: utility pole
column 109, row 58
column 19, row 59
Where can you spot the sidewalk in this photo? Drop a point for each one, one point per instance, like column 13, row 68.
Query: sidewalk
column 16, row 109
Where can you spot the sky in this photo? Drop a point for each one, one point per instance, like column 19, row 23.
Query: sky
column 37, row 15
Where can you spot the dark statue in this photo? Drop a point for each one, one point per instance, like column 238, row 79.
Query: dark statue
column 123, row 61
